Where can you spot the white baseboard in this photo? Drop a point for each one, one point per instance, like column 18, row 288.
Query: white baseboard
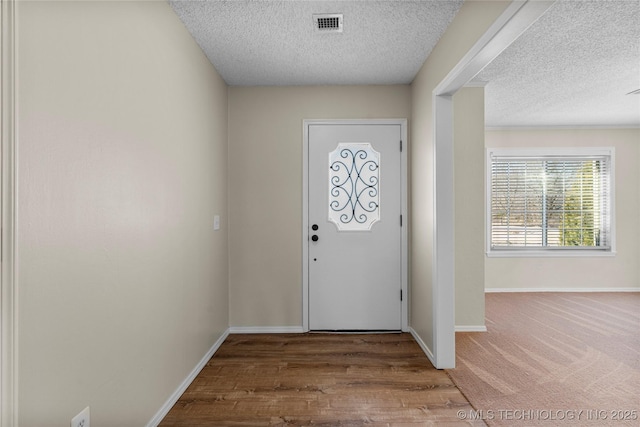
column 266, row 330
column 471, row 328
column 504, row 290
column 164, row 410
column 423, row 346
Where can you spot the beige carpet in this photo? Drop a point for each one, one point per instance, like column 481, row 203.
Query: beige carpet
column 554, row 359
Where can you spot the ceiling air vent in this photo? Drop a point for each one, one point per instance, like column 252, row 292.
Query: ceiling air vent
column 328, row 23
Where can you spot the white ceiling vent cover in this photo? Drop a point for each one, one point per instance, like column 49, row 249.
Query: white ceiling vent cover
column 327, row 22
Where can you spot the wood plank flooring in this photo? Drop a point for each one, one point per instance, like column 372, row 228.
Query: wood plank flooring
column 566, row 354
column 320, row 380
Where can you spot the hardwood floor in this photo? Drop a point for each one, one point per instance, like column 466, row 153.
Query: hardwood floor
column 573, row 355
column 320, row 380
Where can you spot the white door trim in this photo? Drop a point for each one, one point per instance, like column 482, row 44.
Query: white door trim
column 8, row 288
column 305, row 211
column 518, row 16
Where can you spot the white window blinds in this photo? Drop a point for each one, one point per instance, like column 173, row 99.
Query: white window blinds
column 550, row 202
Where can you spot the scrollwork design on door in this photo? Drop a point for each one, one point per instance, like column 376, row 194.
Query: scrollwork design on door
column 354, row 191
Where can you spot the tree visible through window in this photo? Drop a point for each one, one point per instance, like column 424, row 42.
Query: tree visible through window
column 549, row 201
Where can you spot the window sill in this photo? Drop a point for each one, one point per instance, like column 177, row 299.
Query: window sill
column 563, row 253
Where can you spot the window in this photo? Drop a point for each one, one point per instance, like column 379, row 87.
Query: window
column 549, row 201
column 354, row 194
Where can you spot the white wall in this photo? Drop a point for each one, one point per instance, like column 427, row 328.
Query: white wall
column 620, row 271
column 122, row 148
column 473, row 19
column 265, row 188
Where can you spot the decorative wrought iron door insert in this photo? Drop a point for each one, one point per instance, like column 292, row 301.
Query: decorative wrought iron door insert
column 354, row 192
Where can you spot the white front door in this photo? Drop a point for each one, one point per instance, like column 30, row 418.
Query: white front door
column 354, row 226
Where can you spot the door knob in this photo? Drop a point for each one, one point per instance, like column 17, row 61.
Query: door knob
column 314, row 238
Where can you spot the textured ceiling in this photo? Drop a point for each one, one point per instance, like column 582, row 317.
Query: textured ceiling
column 574, row 66
column 274, row 43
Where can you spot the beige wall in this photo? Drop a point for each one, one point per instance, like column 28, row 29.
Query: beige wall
column 265, row 188
column 468, row 116
column 621, row 271
column 473, row 19
column 122, row 147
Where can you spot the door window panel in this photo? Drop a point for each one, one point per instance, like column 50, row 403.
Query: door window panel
column 354, row 191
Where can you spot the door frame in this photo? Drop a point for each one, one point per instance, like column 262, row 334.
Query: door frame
column 515, row 20
column 404, row 256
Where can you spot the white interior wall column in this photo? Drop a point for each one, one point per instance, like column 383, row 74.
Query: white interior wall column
column 8, row 341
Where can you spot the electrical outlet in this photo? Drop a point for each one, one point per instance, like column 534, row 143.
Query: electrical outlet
column 83, row 419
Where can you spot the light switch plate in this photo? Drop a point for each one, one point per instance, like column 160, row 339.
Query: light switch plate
column 216, row 222
column 83, row 419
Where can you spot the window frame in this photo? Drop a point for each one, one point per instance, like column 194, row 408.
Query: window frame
column 573, row 152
